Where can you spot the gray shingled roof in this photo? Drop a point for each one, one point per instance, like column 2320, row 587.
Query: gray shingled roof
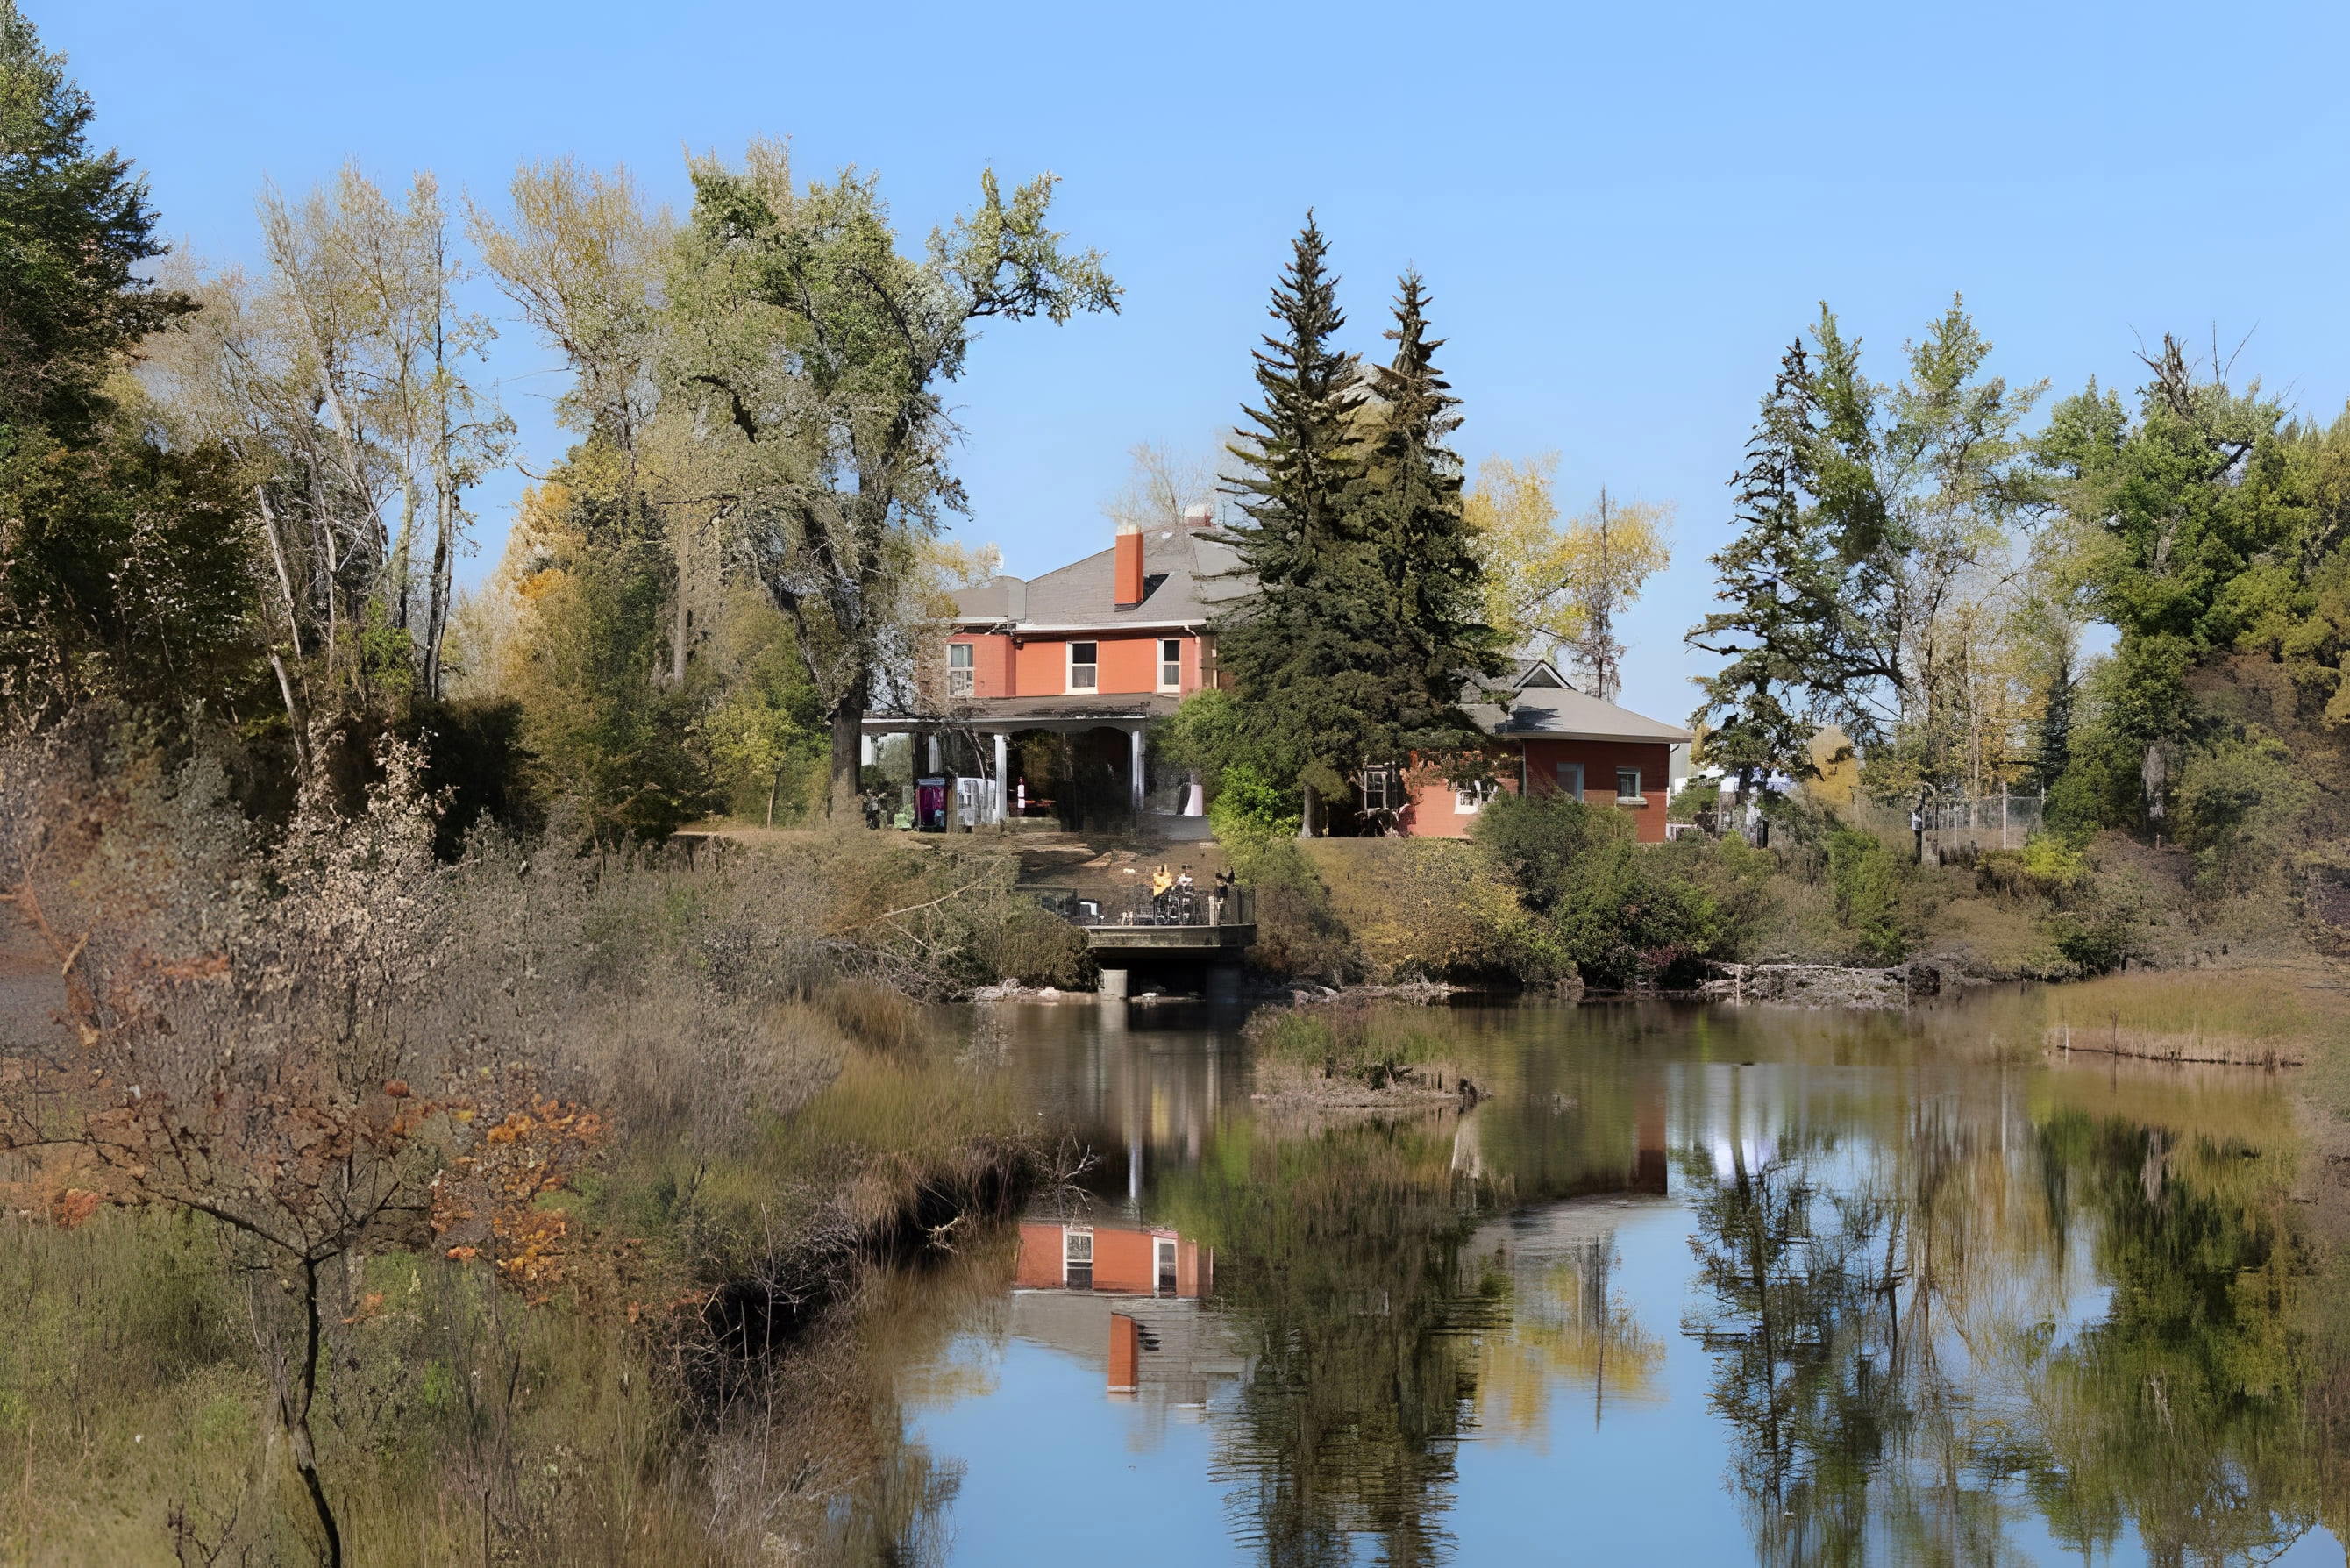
column 1182, row 584
column 1565, row 713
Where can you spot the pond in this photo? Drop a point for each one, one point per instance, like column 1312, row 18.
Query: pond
column 1691, row 1285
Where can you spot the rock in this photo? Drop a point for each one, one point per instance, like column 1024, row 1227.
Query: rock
column 1813, row 985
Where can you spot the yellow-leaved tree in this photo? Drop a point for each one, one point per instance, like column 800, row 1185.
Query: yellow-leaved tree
column 1553, row 588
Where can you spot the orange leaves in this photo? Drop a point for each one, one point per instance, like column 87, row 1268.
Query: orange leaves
column 496, row 1200
column 73, row 1206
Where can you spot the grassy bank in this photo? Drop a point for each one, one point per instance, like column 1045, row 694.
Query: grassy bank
column 517, row 1208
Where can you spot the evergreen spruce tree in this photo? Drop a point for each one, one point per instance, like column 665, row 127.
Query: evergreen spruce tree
column 1778, row 586
column 1428, row 581
column 78, row 226
column 1298, row 648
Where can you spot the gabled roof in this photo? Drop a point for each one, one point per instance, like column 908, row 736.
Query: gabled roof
column 1183, row 583
column 1565, row 714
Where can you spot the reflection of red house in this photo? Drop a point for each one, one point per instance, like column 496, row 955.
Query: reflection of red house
column 1140, row 1283
column 1113, row 1260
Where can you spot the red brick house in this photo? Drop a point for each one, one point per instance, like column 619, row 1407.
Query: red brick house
column 1096, row 651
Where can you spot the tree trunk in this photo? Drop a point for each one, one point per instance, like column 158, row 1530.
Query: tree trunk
column 848, row 724
column 774, row 784
column 296, row 1395
column 1308, row 807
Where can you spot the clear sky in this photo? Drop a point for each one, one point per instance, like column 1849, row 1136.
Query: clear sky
column 1625, row 212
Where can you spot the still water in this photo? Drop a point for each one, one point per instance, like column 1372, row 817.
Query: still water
column 1691, row 1286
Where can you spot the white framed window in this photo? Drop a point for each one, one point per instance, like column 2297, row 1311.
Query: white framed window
column 1382, row 790
column 1077, row 1259
column 959, row 668
column 1163, row 1259
column 1627, row 784
column 1171, row 663
column 1085, row 667
column 1470, row 798
column 1570, row 780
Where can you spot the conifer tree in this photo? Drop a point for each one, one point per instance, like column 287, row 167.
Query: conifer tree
column 1773, row 577
column 1297, row 646
column 1428, row 576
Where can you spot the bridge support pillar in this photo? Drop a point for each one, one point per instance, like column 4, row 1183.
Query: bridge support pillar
column 1224, row 982
column 1113, row 985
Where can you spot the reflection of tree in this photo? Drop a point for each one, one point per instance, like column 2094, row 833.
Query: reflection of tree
column 2181, row 1409
column 1801, row 1325
column 1339, row 1258
column 1888, row 1358
column 1564, row 1322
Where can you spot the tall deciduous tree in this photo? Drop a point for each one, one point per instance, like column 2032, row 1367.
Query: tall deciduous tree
column 1610, row 553
column 817, row 354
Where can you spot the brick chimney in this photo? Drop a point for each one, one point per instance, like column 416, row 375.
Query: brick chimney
column 1127, row 578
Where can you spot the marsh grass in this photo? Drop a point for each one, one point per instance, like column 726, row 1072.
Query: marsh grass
column 2249, row 1017
column 1355, row 1054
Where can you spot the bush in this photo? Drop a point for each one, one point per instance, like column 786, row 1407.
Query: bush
column 1423, row 909
column 1618, row 911
column 1867, row 878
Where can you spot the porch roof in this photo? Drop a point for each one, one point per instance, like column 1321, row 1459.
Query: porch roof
column 1070, row 711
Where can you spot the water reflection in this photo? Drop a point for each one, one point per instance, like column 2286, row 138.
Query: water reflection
column 1788, row 1288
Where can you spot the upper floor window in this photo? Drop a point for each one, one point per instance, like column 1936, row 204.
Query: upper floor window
column 1171, row 663
column 1085, row 667
column 1627, row 783
column 959, row 669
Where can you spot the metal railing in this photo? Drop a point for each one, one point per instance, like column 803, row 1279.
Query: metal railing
column 1207, row 906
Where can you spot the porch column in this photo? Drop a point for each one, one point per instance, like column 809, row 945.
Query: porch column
column 1135, row 735
column 1002, row 776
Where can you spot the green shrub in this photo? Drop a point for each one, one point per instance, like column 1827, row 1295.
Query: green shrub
column 1867, row 880
column 1248, row 805
column 1617, row 910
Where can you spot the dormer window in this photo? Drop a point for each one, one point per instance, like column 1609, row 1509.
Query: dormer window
column 1085, row 667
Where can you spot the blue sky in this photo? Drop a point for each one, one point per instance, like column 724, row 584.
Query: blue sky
column 1625, row 212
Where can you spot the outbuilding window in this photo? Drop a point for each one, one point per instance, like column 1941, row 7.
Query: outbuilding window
column 1382, row 790
column 1627, row 784
column 1468, row 799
